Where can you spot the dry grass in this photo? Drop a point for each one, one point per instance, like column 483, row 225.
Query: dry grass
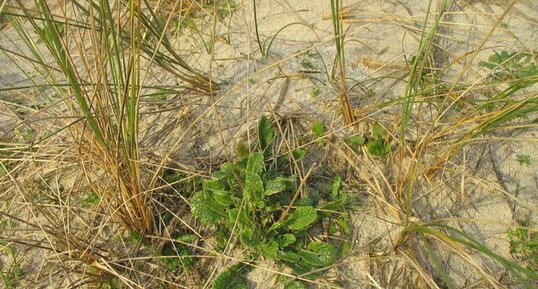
column 106, row 138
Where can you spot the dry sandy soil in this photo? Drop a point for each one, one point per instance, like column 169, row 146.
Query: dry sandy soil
column 484, row 188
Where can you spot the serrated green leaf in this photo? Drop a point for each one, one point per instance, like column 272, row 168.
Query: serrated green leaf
column 330, row 207
column 304, row 269
column 187, row 238
column 231, row 278
column 274, row 226
column 319, row 254
column 343, row 225
column 318, row 128
column 302, row 217
column 265, row 135
column 205, row 208
column 255, row 163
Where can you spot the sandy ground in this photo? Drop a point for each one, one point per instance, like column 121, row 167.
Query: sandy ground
column 293, row 82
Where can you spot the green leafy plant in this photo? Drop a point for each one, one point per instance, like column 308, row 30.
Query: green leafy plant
column 318, row 129
column 90, row 200
column 524, row 244
column 511, row 65
column 523, row 159
column 178, row 254
column 315, row 92
column 378, row 145
column 232, row 278
column 259, row 204
column 11, row 276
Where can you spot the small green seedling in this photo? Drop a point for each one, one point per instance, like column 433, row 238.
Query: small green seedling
column 254, row 201
column 378, row 145
column 318, row 129
column 90, row 200
column 524, row 244
column 523, row 159
column 307, row 65
column 315, row 92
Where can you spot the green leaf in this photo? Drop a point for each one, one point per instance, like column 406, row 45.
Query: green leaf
column 270, row 250
column 378, row 131
column 224, row 198
column 302, row 218
column 319, row 254
column 330, row 207
column 265, row 135
column 294, row 285
column 318, row 129
column 231, row 278
column 377, row 147
column 250, row 237
column 336, row 186
column 286, row 240
column 315, row 92
column 278, row 185
column 355, row 142
column 242, row 219
column 275, row 186
column 254, row 190
column 342, row 223
column 298, row 154
column 289, row 256
column 205, row 208
column 214, row 186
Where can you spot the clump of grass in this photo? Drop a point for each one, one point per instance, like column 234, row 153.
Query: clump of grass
column 340, row 61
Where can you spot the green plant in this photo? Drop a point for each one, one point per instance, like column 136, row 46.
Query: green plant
column 12, row 275
column 524, row 244
column 90, row 200
column 177, row 255
column 456, row 239
column 511, row 65
column 318, row 129
column 257, row 201
column 523, row 159
column 314, row 92
column 111, row 120
column 378, row 144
